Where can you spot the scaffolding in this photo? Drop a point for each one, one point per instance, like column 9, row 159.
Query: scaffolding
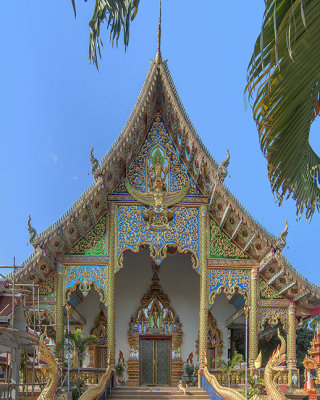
column 18, row 340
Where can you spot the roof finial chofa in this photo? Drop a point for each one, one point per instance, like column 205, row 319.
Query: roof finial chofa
column 32, row 231
column 223, row 168
column 281, row 242
column 158, row 54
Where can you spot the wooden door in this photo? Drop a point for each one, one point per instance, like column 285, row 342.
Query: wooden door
column 155, row 361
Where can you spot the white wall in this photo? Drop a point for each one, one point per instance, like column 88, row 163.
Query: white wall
column 221, row 311
column 90, row 309
column 178, row 280
column 182, row 285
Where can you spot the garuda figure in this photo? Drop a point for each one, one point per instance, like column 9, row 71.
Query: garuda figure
column 157, row 198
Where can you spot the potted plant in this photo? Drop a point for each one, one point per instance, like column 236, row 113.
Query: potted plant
column 119, row 369
column 189, row 370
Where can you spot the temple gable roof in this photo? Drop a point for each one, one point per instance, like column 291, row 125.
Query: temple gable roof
column 159, row 97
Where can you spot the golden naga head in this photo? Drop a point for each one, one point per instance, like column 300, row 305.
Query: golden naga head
column 279, row 355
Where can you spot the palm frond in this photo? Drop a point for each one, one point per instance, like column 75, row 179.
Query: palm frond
column 284, row 82
column 117, row 14
column 235, row 361
column 222, row 364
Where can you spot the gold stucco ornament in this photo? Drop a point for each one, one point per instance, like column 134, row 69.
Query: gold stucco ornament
column 49, row 391
column 157, row 198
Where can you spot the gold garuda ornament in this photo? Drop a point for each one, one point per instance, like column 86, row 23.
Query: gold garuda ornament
column 157, row 198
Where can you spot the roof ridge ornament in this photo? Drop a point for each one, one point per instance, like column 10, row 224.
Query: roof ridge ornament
column 281, row 242
column 95, row 169
column 32, row 231
column 158, row 53
column 223, row 168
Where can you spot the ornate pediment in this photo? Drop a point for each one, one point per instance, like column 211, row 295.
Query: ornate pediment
column 221, row 246
column 158, row 142
column 94, row 242
column 268, row 292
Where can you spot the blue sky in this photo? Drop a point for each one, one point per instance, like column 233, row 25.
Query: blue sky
column 54, row 106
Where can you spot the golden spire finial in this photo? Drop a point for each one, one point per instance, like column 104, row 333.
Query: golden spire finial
column 318, row 328
column 158, row 54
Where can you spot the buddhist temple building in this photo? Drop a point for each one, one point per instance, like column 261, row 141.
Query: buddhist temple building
column 159, row 260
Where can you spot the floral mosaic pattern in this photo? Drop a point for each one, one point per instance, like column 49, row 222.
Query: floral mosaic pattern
column 267, row 292
column 47, row 287
column 85, row 277
column 132, row 231
column 94, row 242
column 178, row 174
column 229, row 279
column 273, row 316
column 221, row 246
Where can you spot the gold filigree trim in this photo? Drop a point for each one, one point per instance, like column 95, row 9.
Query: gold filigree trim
column 221, row 246
column 94, row 242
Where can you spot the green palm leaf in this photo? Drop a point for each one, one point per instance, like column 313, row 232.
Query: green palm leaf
column 117, row 14
column 284, row 83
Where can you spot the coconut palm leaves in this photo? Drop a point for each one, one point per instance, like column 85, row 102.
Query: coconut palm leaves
column 284, row 83
column 117, row 14
column 227, row 368
column 78, row 343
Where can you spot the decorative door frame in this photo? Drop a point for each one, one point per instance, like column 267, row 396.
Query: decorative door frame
column 156, row 337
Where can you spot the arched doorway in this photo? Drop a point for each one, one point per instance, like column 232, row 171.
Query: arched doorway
column 214, row 342
column 100, row 351
column 155, row 338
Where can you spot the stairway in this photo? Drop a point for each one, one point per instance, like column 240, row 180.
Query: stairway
column 157, row 393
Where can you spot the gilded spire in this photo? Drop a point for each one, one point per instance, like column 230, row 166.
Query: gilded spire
column 158, row 54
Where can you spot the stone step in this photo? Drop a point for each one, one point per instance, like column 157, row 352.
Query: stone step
column 147, row 393
column 198, row 396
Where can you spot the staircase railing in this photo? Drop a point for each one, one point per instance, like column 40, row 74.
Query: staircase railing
column 215, row 391
column 102, row 390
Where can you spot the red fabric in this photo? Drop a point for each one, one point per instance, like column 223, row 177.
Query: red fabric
column 315, row 311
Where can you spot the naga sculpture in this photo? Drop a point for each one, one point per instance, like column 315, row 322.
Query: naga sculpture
column 278, row 357
column 272, row 366
column 223, row 169
column 281, row 241
column 32, row 231
column 95, row 169
column 95, row 392
column 49, row 391
column 225, row 392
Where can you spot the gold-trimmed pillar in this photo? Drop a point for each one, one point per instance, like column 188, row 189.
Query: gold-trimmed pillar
column 253, row 317
column 204, row 284
column 59, row 304
column 291, row 341
column 110, row 284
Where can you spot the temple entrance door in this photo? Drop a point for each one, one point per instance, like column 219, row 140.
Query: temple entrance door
column 155, row 361
column 101, row 357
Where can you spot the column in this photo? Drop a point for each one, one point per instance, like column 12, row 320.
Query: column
column 59, row 305
column 15, row 367
column 204, row 284
column 291, row 342
column 253, row 317
column 110, row 284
